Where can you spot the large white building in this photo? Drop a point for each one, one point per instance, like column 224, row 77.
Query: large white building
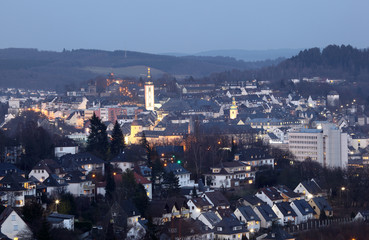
column 149, row 93
column 327, row 145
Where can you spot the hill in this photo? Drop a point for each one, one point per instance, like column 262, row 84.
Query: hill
column 31, row 68
column 251, row 55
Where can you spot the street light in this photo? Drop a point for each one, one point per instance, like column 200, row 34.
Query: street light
column 57, row 201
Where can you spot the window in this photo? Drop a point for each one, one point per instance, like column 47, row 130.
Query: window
column 15, row 227
column 13, row 217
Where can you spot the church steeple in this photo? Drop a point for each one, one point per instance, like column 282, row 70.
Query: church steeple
column 233, row 111
column 149, row 92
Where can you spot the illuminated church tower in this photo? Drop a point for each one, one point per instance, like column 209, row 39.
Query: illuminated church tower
column 233, row 111
column 149, row 92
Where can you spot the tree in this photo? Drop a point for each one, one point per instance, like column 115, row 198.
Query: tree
column 129, row 184
column 117, row 141
column 145, row 144
column 171, row 182
column 44, row 232
column 110, row 182
column 97, row 142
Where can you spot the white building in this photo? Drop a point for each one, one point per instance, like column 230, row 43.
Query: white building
column 12, row 225
column 61, row 151
column 149, row 93
column 61, row 221
column 328, row 145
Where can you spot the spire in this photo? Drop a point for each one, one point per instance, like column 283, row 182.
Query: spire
column 148, row 73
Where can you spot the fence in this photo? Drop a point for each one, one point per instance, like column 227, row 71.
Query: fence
column 315, row 224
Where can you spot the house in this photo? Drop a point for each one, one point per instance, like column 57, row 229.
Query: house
column 217, row 200
column 256, row 158
column 78, row 185
column 122, row 162
column 277, row 233
column 186, row 229
column 138, row 231
column 320, row 205
column 266, row 214
column 14, row 188
column 6, row 168
column 12, row 225
column 61, row 151
column 362, row 216
column 229, row 174
column 287, row 194
column 210, row 219
column 309, row 189
column 44, row 168
column 83, row 161
column 146, row 183
column 230, row 228
column 285, row 213
column 303, row 210
column 198, row 205
column 250, row 200
column 247, row 215
column 131, row 212
column 182, row 174
column 58, row 220
column 163, row 211
column 55, row 185
column 270, row 195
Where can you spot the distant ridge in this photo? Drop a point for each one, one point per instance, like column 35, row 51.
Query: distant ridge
column 252, row 55
column 31, row 68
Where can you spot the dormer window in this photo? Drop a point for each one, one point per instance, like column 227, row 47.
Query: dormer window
column 219, row 229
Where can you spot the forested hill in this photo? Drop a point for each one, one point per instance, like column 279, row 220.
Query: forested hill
column 31, row 68
column 335, row 62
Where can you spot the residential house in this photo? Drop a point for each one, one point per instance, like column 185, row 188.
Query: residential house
column 146, row 183
column 250, row 200
column 303, row 210
column 55, row 185
column 44, row 168
column 83, row 161
column 229, row 174
column 122, row 162
column 79, row 185
column 217, row 200
column 285, row 213
column 12, row 225
column 309, row 189
column 186, row 229
column 181, row 173
column 14, row 189
column 270, row 195
column 247, row 215
column 210, row 218
column 230, row 228
column 198, row 206
column 362, row 216
column 320, row 205
column 58, row 220
column 6, row 168
column 266, row 214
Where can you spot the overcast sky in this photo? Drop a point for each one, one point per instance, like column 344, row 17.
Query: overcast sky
column 183, row 26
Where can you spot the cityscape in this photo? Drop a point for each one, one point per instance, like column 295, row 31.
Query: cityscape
column 165, row 143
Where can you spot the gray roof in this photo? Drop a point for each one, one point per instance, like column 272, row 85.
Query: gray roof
column 267, row 212
column 286, row 209
column 303, row 207
column 212, row 217
column 248, row 213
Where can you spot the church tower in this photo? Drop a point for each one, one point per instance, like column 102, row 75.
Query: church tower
column 149, row 92
column 233, row 111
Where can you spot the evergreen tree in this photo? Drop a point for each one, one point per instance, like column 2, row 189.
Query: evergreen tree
column 157, row 173
column 44, row 232
column 110, row 182
column 97, row 142
column 129, row 184
column 117, row 141
column 145, row 144
column 171, row 182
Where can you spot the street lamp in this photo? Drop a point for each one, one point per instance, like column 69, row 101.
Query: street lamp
column 57, row 201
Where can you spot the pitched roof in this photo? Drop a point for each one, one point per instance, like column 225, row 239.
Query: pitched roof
column 217, row 198
column 248, row 213
column 271, row 193
column 267, row 212
column 286, row 209
column 322, row 203
column 303, row 207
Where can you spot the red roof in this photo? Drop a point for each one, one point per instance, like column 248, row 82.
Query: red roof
column 141, row 179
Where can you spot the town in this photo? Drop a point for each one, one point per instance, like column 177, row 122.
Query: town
column 161, row 158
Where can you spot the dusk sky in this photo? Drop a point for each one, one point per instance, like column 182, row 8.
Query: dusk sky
column 182, row 26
